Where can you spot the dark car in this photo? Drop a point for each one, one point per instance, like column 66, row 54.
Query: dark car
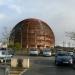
column 73, row 57
column 63, row 57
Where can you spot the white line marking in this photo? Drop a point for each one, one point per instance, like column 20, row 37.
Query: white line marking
column 23, row 72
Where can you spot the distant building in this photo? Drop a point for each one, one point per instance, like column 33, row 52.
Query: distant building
column 0, row 45
column 33, row 33
column 3, row 45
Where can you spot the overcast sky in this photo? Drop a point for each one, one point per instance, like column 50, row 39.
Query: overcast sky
column 58, row 14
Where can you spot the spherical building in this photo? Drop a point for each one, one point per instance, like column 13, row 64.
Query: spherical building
column 33, row 33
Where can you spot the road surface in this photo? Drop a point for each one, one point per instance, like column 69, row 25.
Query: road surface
column 46, row 66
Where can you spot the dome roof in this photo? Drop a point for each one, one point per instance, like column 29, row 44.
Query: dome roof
column 31, row 29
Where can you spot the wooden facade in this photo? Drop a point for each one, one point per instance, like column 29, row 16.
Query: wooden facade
column 33, row 33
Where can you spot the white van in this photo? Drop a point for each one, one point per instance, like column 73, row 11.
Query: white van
column 4, row 56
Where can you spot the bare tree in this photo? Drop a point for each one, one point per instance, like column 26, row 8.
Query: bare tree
column 6, row 34
column 71, row 35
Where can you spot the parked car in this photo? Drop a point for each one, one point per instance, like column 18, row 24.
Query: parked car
column 33, row 51
column 63, row 57
column 70, row 53
column 46, row 52
column 73, row 57
column 4, row 56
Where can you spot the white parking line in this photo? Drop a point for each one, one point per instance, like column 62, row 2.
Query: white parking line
column 51, row 66
column 23, row 72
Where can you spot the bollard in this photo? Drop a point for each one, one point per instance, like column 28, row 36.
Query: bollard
column 14, row 62
column 18, row 62
column 25, row 63
column 1, row 60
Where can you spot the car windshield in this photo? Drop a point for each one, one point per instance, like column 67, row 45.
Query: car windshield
column 62, row 54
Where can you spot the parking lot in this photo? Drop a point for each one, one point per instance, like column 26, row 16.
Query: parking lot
column 46, row 66
column 2, row 71
column 40, row 65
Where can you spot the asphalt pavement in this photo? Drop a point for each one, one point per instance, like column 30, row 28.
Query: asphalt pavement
column 2, row 71
column 46, row 66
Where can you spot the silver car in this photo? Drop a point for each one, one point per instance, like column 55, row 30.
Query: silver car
column 47, row 52
column 33, row 51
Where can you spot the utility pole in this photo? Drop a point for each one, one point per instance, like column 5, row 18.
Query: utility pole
column 63, row 45
column 69, row 44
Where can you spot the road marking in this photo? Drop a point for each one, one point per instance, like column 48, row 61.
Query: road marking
column 51, row 66
column 23, row 72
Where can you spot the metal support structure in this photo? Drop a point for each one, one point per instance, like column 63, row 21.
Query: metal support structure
column 33, row 34
column 21, row 38
column 27, row 35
